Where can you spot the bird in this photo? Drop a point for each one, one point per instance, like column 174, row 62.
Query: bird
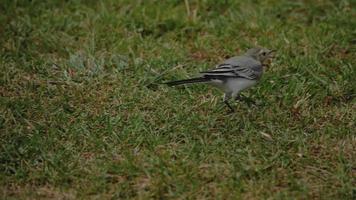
column 234, row 74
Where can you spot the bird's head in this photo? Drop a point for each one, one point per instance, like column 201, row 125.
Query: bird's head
column 261, row 54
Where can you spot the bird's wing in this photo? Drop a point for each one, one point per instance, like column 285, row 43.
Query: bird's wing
column 236, row 67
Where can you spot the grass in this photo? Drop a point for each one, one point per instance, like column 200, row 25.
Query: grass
column 78, row 119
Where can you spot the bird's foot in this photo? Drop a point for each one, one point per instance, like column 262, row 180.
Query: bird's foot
column 248, row 100
column 229, row 106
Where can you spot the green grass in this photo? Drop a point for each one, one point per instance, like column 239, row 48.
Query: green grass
column 78, row 119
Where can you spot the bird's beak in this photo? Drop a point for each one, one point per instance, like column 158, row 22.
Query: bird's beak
column 272, row 53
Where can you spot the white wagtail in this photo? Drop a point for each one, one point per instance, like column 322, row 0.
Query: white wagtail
column 234, row 74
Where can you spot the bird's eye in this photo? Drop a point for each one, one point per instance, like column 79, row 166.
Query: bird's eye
column 264, row 53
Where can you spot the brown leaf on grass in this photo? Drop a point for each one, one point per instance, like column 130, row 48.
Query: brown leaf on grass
column 142, row 183
column 114, row 178
column 71, row 72
column 328, row 100
column 266, row 136
column 295, row 112
column 36, row 192
column 87, row 155
column 199, row 55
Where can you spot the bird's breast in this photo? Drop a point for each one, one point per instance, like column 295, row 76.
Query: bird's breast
column 236, row 85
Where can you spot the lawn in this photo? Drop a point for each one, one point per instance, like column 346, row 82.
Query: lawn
column 83, row 116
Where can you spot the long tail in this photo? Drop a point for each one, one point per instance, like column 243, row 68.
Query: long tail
column 187, row 81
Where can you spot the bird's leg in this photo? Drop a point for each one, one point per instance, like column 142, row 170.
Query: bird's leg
column 229, row 106
column 238, row 97
column 227, row 96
